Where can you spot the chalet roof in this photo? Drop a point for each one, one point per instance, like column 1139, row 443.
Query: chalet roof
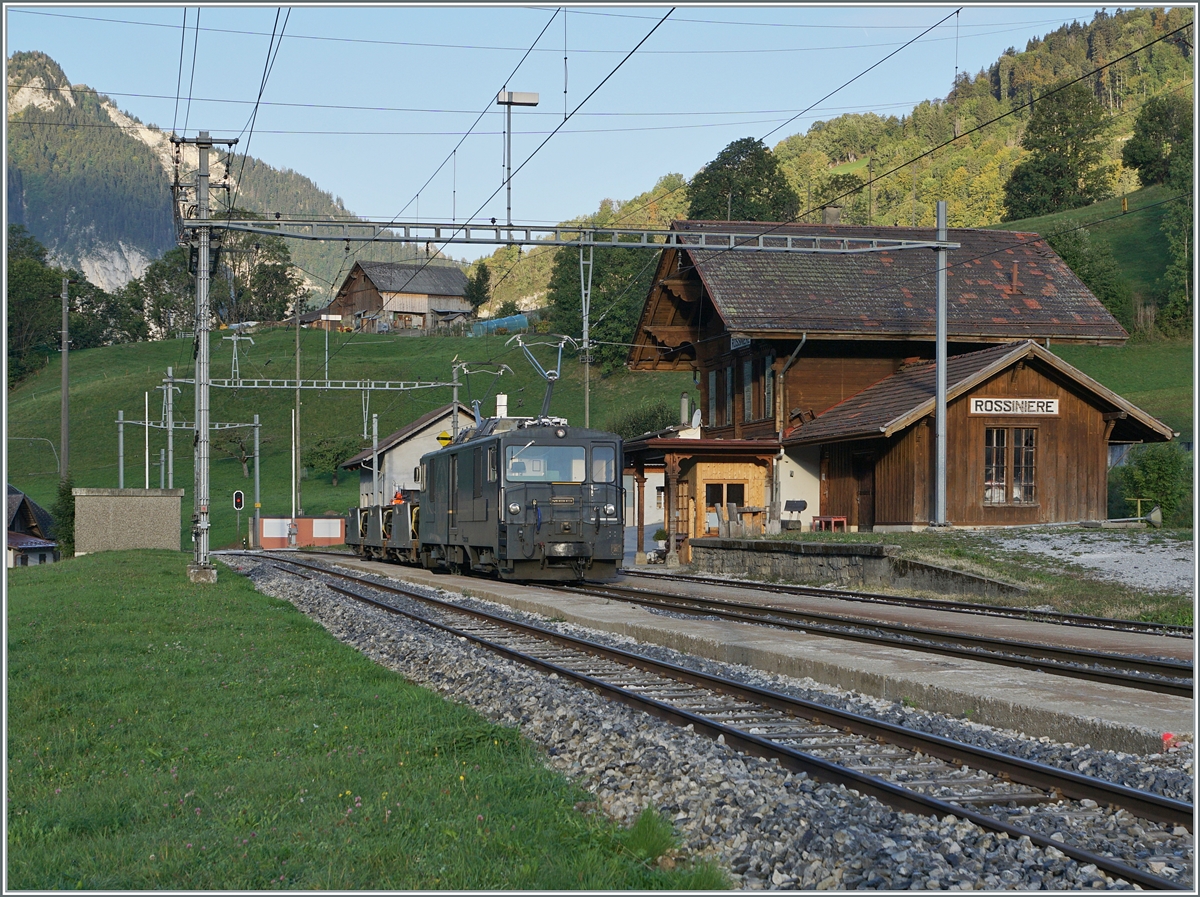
column 33, row 512
column 432, row 280
column 899, row 400
column 1001, row 285
column 23, row 542
column 427, row 419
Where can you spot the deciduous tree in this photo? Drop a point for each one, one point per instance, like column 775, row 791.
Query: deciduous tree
column 743, row 183
column 1162, row 125
column 1066, row 138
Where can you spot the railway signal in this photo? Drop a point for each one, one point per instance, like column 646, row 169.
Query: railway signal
column 239, row 502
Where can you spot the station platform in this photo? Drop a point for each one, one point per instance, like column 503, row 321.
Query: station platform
column 1029, row 701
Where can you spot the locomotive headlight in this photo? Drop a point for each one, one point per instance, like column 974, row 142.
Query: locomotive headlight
column 610, row 510
column 514, row 508
column 560, row 432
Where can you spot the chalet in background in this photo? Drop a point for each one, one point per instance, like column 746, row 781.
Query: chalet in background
column 30, row 528
column 391, row 296
column 817, row 384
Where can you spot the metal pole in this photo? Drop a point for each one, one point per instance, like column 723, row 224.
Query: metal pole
column 64, row 435
column 170, row 430
column 299, row 501
column 200, row 499
column 326, row 352
column 585, row 285
column 147, row 422
column 940, row 414
column 375, row 458
column 257, row 504
column 454, row 409
column 120, row 450
column 508, row 159
column 293, row 465
column 162, row 468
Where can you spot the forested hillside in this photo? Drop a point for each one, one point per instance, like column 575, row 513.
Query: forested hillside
column 86, row 182
column 964, row 148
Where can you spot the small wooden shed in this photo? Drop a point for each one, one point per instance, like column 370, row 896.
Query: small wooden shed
column 1027, row 439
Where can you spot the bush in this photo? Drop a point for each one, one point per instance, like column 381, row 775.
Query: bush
column 63, row 513
column 648, row 417
column 1162, row 473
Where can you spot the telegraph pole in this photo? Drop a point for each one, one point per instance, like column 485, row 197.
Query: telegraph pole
column 201, row 569
column 64, row 434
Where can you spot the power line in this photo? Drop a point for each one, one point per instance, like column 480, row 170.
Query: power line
column 267, row 68
column 192, row 80
column 179, row 77
column 565, row 120
column 665, row 113
column 503, row 49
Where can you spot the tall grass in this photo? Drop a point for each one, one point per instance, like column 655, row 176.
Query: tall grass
column 163, row 735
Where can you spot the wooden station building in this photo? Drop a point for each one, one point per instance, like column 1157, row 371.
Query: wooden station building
column 817, row 384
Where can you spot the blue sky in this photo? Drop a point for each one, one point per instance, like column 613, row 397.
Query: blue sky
column 370, row 101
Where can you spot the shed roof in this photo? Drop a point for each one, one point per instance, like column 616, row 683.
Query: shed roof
column 427, row 419
column 1001, row 285
column 903, row 398
column 432, row 280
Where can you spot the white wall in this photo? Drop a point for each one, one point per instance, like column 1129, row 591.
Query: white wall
column 800, row 479
column 396, row 465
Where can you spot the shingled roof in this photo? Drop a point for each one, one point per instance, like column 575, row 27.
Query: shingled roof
column 23, row 511
column 900, row 400
column 1001, row 285
column 432, row 280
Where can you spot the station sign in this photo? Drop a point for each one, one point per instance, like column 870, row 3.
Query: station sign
column 1014, row 406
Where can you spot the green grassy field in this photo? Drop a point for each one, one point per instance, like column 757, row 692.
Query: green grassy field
column 1155, row 375
column 1136, row 241
column 168, row 736
column 104, row 381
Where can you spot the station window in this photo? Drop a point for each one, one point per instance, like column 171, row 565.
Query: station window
column 659, row 492
column 748, row 389
column 768, row 409
column 728, row 397
column 1010, row 466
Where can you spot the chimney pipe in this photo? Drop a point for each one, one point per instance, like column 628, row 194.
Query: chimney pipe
column 683, row 408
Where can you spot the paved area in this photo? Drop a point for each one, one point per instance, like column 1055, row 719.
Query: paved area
column 1038, row 704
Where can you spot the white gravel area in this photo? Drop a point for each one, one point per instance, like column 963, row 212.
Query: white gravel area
column 1143, row 559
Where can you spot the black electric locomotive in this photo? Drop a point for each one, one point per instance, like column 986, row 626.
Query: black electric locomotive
column 520, row 498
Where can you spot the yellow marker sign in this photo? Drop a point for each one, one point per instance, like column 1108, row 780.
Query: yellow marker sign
column 444, row 438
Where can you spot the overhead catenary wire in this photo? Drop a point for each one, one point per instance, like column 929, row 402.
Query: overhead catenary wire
column 451, row 157
column 551, row 135
column 179, row 77
column 192, row 81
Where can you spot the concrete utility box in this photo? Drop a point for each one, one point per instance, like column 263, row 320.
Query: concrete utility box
column 118, row 519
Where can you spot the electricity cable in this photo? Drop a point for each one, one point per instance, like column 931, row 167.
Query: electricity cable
column 179, row 77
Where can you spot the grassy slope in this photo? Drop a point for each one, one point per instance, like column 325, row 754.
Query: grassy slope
column 125, row 773
column 106, row 380
column 1134, row 237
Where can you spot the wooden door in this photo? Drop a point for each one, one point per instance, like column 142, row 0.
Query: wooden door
column 863, row 467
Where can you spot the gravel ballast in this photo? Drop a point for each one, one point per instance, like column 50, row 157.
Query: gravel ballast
column 769, row 828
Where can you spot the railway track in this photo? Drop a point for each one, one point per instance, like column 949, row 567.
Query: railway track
column 907, row 769
column 1021, row 613
column 1150, row 674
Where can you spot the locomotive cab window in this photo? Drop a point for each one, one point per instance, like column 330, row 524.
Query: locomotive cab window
column 545, row 463
column 604, row 464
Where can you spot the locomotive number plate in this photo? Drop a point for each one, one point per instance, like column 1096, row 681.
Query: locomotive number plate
column 562, row 501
